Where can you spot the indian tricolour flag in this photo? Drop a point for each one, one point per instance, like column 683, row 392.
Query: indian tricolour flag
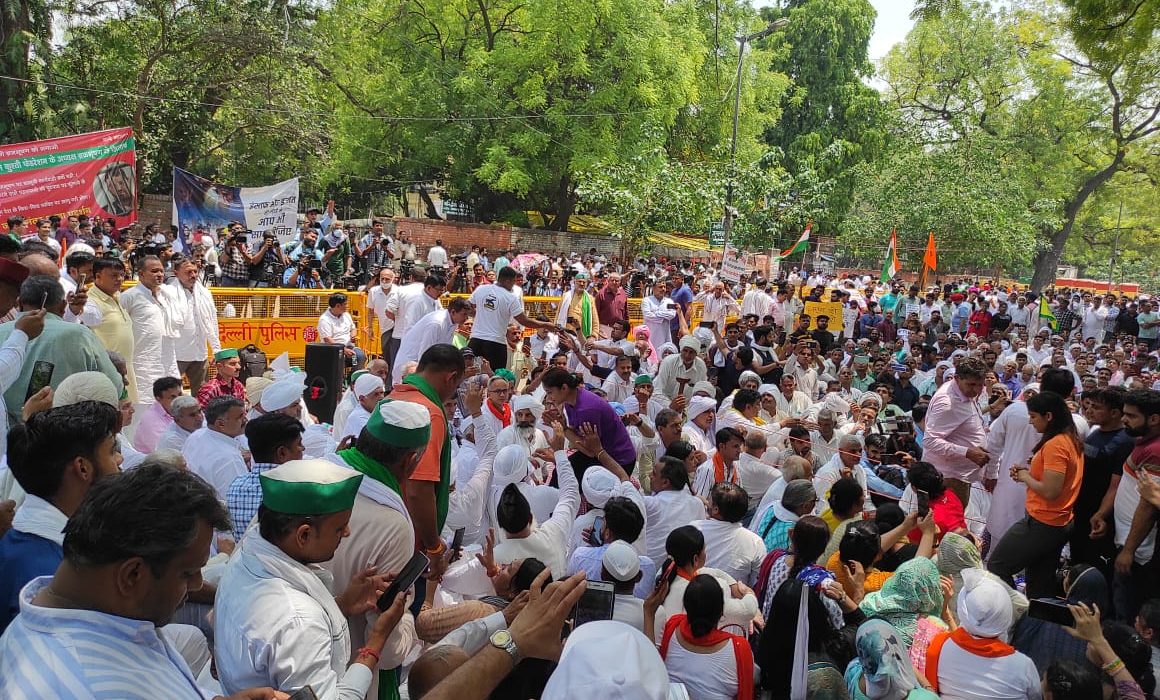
column 891, row 267
column 803, row 243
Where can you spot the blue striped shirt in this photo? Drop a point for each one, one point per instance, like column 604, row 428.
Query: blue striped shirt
column 244, row 496
column 54, row 653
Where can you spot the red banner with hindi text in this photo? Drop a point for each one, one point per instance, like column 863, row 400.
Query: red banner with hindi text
column 93, row 174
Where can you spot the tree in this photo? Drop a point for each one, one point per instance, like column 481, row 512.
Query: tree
column 25, row 29
column 831, row 120
column 505, row 101
column 1076, row 110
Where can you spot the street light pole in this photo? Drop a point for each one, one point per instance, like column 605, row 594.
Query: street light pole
column 743, row 39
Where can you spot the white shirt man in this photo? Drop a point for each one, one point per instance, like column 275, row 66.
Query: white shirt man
column 339, row 328
column 377, row 301
column 155, row 330
column 658, row 312
column 678, row 373
column 434, row 328
column 718, row 306
column 437, row 255
column 495, row 307
column 413, row 302
column 732, row 549
column 213, row 453
column 756, row 301
column 198, row 324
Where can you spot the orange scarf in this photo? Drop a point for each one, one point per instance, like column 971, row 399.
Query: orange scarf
column 719, row 470
column 505, row 415
column 741, row 651
column 979, row 646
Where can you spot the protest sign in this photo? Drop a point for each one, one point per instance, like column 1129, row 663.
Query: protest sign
column 93, row 174
column 201, row 202
column 832, row 309
column 733, row 265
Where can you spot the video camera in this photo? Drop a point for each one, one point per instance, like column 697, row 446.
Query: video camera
column 892, row 425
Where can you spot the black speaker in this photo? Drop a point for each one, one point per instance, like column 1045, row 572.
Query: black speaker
column 324, row 372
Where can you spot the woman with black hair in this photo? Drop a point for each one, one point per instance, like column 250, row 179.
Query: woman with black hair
column 670, row 505
column 686, row 549
column 808, row 539
column 948, row 511
column 808, row 642
column 711, row 663
column 1053, row 480
column 689, row 455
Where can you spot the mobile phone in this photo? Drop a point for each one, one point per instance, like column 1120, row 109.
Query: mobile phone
column 1051, row 610
column 597, row 528
column 596, row 604
column 406, row 578
column 457, row 544
column 41, row 377
column 923, row 502
column 304, row 693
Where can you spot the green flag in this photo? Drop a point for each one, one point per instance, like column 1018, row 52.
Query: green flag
column 1045, row 312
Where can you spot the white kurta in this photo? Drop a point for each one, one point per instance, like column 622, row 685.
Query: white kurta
column 276, row 624
column 665, row 511
column 548, row 542
column 658, row 317
column 673, row 369
column 154, row 351
column 198, row 325
column 432, row 329
column 355, row 422
column 732, row 549
column 215, row 457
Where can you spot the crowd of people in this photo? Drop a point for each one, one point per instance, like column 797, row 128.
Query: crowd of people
column 949, row 492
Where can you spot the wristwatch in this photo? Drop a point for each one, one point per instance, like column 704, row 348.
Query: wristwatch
column 503, row 640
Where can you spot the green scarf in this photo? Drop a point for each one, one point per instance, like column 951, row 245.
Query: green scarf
column 586, row 314
column 443, row 489
column 388, row 678
column 365, row 465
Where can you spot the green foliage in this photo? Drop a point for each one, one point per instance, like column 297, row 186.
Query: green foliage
column 832, row 121
column 1061, row 104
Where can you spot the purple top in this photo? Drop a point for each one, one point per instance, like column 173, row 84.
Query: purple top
column 590, row 408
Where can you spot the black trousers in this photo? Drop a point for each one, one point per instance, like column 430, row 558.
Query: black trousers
column 1032, row 546
column 496, row 354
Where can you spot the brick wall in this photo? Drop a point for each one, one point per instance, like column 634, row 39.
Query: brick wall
column 156, row 209
column 456, row 236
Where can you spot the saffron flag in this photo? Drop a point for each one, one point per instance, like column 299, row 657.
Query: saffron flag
column 890, row 266
column 803, row 243
column 1047, row 314
column 929, row 261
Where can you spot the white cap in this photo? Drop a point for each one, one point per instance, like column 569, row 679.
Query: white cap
column 621, row 561
column 283, row 392
column 609, row 660
column 690, row 342
column 366, row 385
column 706, row 387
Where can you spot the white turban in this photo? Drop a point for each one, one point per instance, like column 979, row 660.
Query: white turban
column 598, row 485
column 366, row 385
column 283, row 392
column 672, row 349
column 511, row 466
column 700, row 404
column 80, row 247
column 690, row 342
column 748, row 376
column 524, row 402
column 984, row 606
column 770, row 389
column 872, row 397
column 86, row 386
column 706, row 387
column 610, row 660
column 255, row 386
column 836, row 404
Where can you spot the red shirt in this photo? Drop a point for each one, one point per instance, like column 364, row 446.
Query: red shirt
column 948, row 516
column 611, row 306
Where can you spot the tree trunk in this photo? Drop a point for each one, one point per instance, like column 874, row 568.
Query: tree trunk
column 432, row 212
column 1047, row 259
column 565, row 204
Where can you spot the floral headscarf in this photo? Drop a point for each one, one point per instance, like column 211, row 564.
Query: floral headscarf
column 885, row 662
column 913, row 591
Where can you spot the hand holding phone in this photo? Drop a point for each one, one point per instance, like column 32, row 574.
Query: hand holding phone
column 923, row 502
column 403, row 582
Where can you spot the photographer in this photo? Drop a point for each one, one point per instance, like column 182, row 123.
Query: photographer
column 306, row 273
column 336, row 254
column 236, row 259
column 269, row 261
